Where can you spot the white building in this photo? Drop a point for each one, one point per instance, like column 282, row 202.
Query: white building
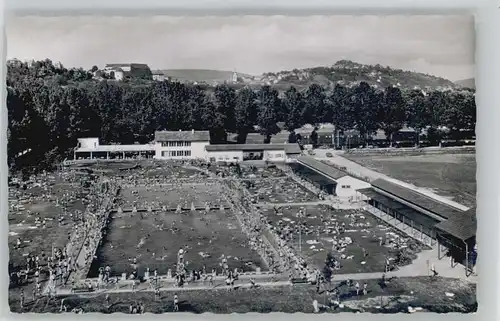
column 89, row 148
column 158, row 75
column 347, row 186
column 241, row 152
column 234, row 77
column 181, row 144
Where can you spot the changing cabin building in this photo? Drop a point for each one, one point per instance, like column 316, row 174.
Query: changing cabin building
column 233, row 153
column 431, row 221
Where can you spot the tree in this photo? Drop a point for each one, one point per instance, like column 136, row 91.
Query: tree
column 362, row 107
column 391, row 115
column 293, row 102
column 224, row 99
column 268, row 103
column 245, row 113
column 417, row 114
column 314, row 137
column 315, row 107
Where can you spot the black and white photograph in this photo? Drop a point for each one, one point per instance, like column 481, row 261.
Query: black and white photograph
column 236, row 164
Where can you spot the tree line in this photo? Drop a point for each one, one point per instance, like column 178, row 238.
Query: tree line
column 49, row 107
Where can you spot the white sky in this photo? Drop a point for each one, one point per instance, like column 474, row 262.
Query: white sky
column 438, row 45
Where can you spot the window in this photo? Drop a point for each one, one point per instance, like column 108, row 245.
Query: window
column 221, row 158
column 187, row 153
column 279, row 155
column 164, row 144
column 212, row 159
column 180, row 144
column 187, row 144
column 171, row 144
column 236, row 158
column 164, row 154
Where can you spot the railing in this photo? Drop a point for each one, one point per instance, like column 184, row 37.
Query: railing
column 407, row 226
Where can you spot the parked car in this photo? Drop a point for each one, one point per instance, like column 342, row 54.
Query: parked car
column 311, row 152
column 328, row 154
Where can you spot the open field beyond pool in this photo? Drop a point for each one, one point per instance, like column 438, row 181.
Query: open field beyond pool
column 396, row 296
column 362, row 228
column 155, row 238
column 449, row 175
column 279, row 191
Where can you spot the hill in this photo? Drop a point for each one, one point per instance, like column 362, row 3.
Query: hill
column 347, row 72
column 201, row 75
column 467, row 83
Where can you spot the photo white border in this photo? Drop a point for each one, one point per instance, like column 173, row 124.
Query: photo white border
column 487, row 130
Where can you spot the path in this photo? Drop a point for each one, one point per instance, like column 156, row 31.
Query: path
column 190, row 287
column 313, row 203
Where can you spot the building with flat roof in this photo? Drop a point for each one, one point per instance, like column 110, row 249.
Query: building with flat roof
column 241, row 152
column 181, row 144
column 90, row 148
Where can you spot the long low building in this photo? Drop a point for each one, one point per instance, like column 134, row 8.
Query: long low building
column 242, row 152
column 451, row 227
column 328, row 178
column 186, row 145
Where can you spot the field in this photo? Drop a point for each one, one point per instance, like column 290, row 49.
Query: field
column 279, row 191
column 41, row 202
column 364, row 230
column 396, row 296
column 449, row 175
column 154, row 239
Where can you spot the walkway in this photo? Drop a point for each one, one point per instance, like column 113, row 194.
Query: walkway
column 313, row 203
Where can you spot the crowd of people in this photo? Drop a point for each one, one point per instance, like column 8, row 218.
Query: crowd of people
column 272, row 243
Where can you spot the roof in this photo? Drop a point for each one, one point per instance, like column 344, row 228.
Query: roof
column 117, row 148
column 462, row 226
column 417, row 199
column 292, row 149
column 312, row 175
column 321, row 167
column 128, row 65
column 288, row 148
column 402, row 209
column 192, row 136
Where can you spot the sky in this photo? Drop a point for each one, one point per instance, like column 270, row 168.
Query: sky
column 437, row 45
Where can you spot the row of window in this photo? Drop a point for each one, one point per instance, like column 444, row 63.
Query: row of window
column 176, row 153
column 176, row 144
column 346, row 186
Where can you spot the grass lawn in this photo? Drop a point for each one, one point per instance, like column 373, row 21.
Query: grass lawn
column 363, row 228
column 280, row 191
column 396, row 296
column 42, row 203
column 205, row 237
column 449, row 175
